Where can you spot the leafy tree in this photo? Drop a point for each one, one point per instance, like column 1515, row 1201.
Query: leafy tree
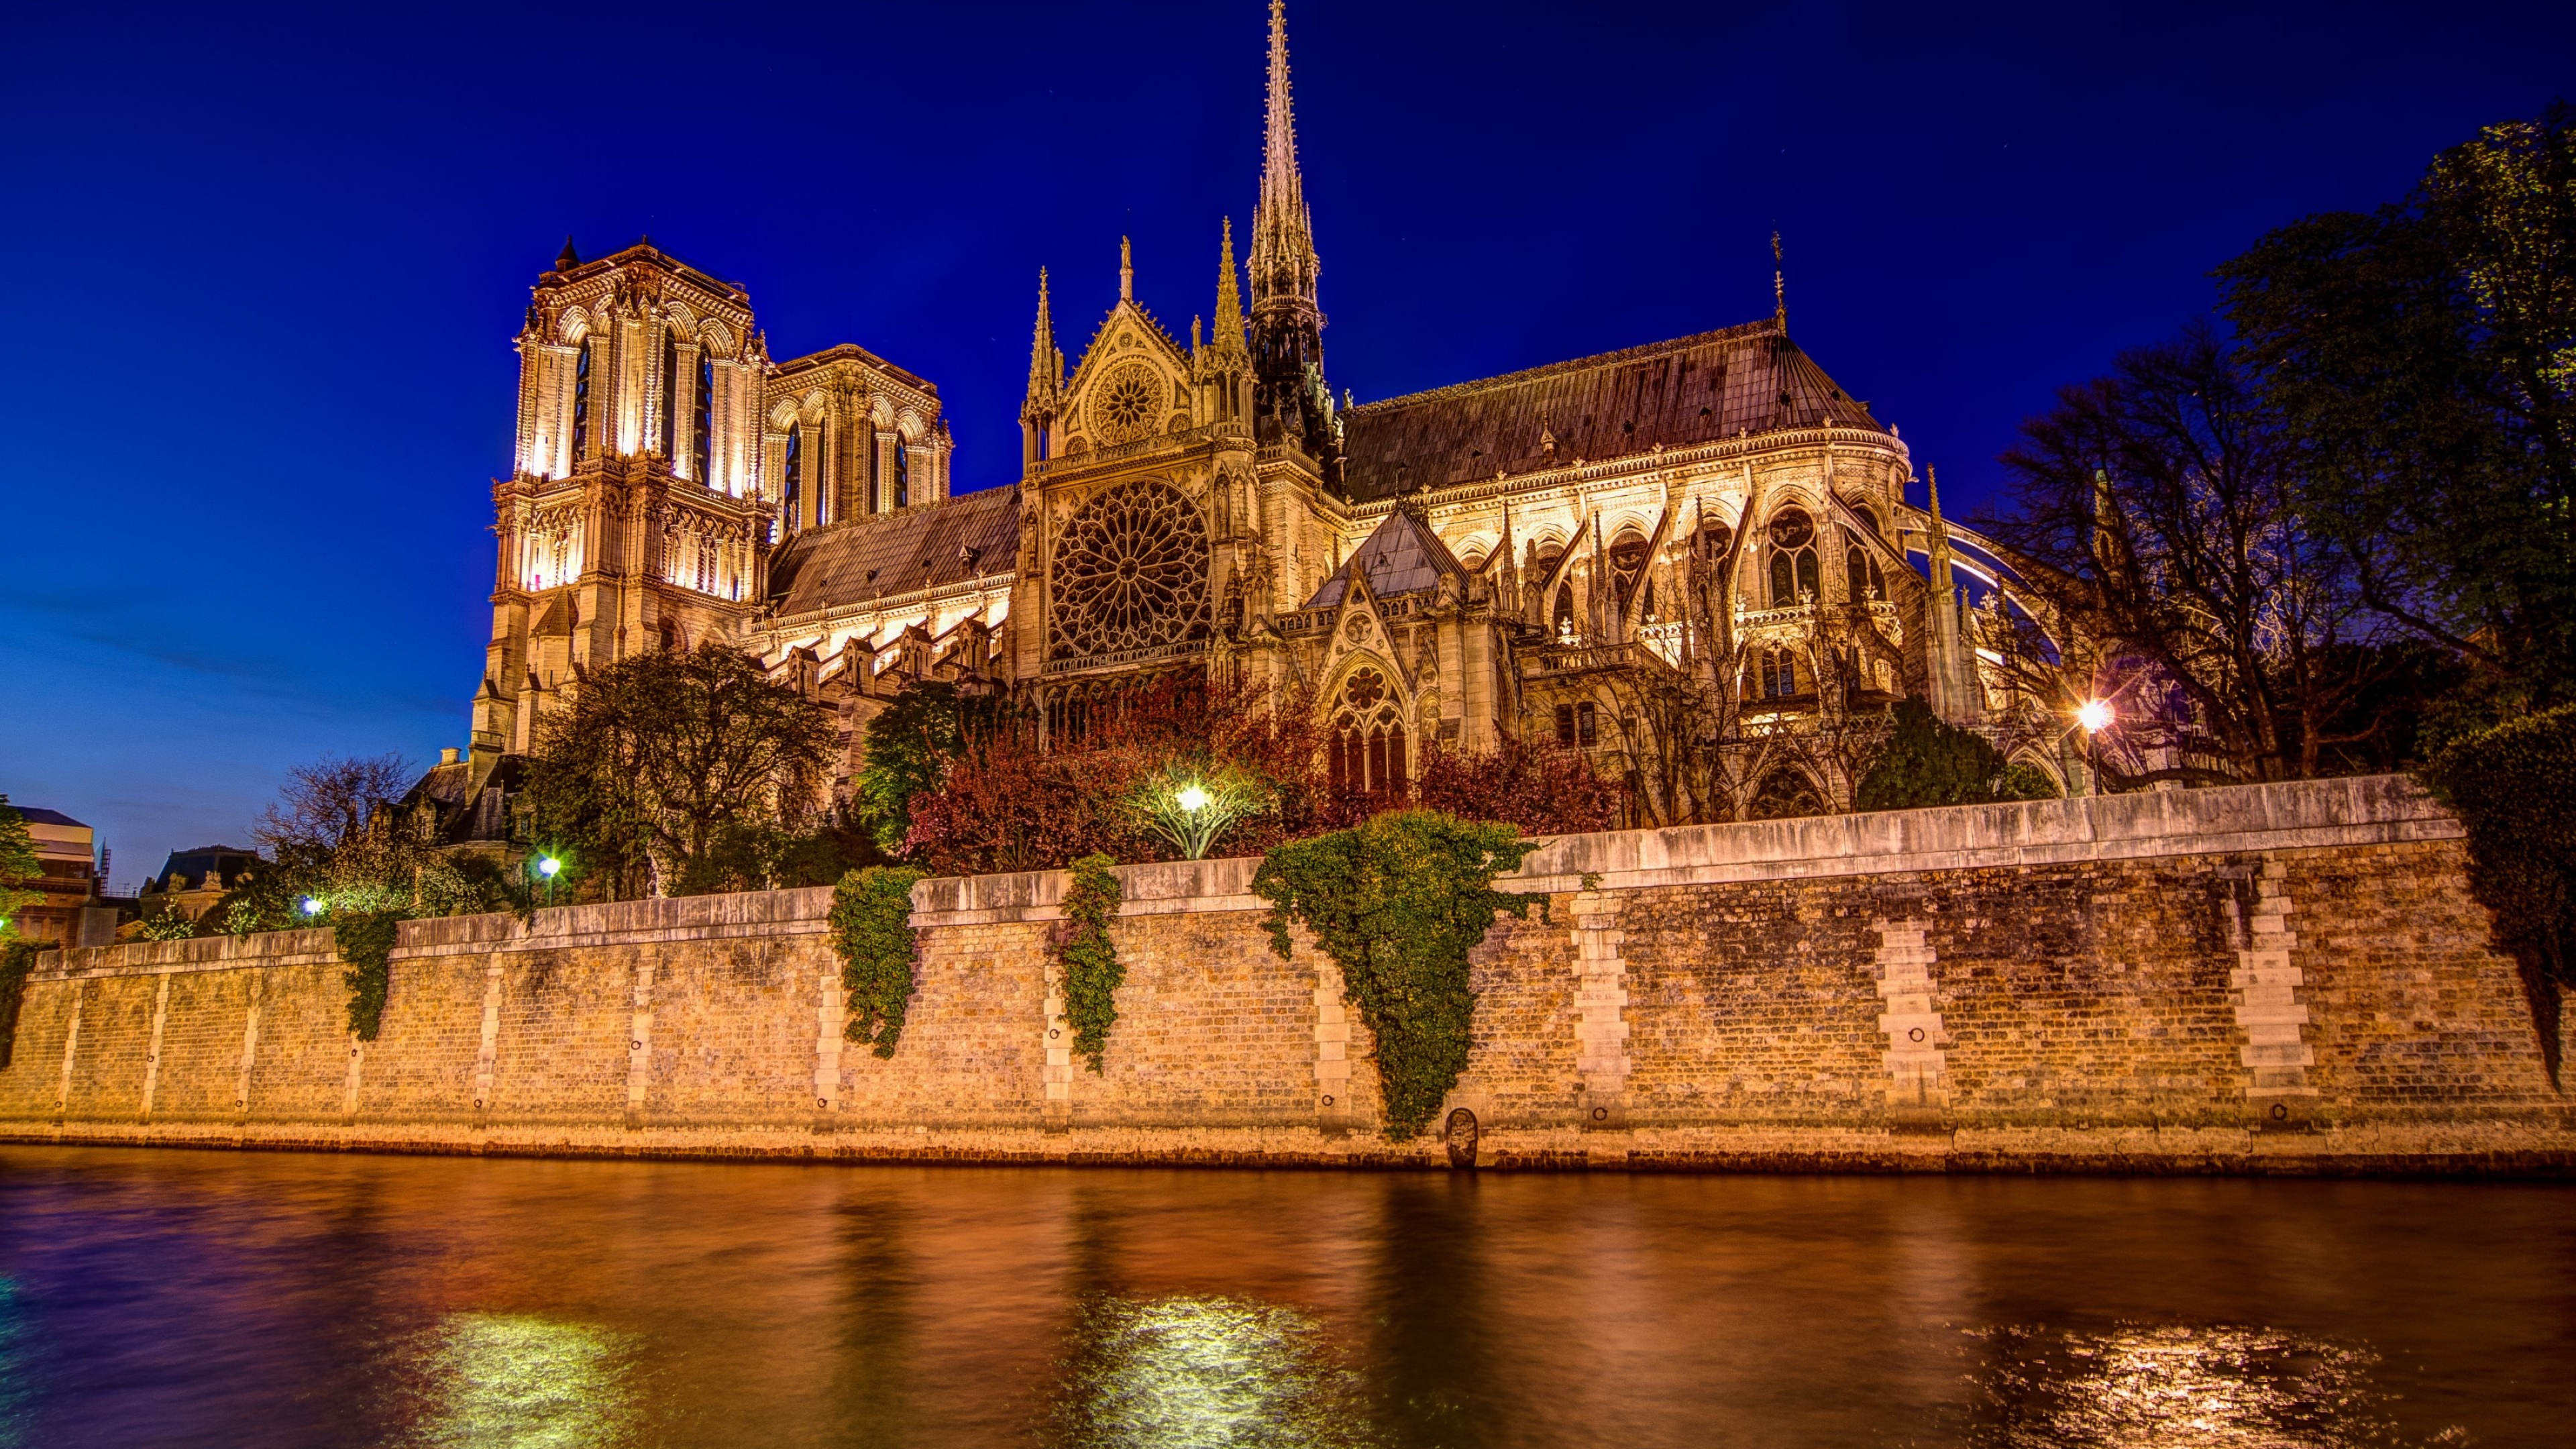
column 2421, row 362
column 18, row 862
column 909, row 745
column 2155, row 521
column 1927, row 762
column 666, row 764
column 1539, row 787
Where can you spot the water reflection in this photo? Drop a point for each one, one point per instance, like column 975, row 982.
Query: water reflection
column 13, row 1393
column 2148, row 1387
column 506, row 1381
column 1207, row 1373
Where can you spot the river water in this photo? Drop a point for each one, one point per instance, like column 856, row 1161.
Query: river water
column 206, row 1298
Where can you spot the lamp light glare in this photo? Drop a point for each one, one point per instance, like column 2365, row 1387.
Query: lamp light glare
column 1193, row 799
column 547, row 866
column 309, row 906
column 2094, row 715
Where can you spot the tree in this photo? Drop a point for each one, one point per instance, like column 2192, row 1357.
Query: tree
column 2156, row 530
column 1927, row 762
column 1539, row 787
column 908, row 745
column 675, row 773
column 18, row 863
column 2421, row 364
column 326, row 805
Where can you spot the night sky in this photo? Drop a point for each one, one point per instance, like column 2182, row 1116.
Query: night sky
column 264, row 266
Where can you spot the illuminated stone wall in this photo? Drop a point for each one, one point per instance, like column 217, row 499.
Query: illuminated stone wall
column 2275, row 978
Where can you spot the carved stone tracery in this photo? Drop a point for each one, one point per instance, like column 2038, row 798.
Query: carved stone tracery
column 1129, row 575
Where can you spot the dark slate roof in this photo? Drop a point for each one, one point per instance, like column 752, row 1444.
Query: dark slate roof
column 895, row 553
column 39, row 815
column 1401, row 557
column 1751, row 378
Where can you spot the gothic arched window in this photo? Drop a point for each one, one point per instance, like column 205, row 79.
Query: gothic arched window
column 794, row 487
column 902, row 473
column 1366, row 745
column 670, row 388
column 1779, row 673
column 822, row 478
column 581, row 403
column 1563, row 617
column 1793, row 557
column 702, row 431
column 1860, row 570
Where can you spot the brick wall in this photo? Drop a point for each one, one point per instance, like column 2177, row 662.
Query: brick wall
column 2277, row 978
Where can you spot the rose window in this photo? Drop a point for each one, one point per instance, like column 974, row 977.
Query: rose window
column 1129, row 403
column 1130, row 574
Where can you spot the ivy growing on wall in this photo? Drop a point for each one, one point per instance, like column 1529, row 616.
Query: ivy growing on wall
column 17, row 958
column 1398, row 903
column 1092, row 970
column 366, row 943
column 2514, row 787
column 871, row 925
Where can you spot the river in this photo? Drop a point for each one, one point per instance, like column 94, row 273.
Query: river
column 210, row 1298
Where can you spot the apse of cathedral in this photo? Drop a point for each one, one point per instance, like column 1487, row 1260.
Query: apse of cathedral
column 1526, row 556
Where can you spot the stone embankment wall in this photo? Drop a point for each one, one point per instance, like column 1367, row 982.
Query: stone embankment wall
column 2278, row 978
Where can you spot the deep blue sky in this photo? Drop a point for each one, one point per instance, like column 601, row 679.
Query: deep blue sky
column 263, row 265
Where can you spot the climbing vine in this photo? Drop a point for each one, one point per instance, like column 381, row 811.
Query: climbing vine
column 872, row 932
column 2514, row 787
column 366, row 943
column 17, row 958
column 1399, row 902
column 1092, row 970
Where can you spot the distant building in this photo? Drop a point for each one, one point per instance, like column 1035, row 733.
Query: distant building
column 191, row 881
column 67, row 881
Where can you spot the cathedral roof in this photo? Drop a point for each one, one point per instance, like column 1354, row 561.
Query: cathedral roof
column 1401, row 557
column 970, row 536
column 1691, row 390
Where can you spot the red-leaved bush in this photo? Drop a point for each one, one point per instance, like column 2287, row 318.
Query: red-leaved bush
column 1004, row 804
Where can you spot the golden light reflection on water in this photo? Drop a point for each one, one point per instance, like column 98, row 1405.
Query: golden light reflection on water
column 1190, row 1372
column 2167, row 1386
column 508, row 1381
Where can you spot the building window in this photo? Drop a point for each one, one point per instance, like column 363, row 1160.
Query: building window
column 1578, row 725
column 1860, row 571
column 670, row 388
column 1366, row 746
column 581, row 403
column 1564, row 618
column 1793, row 557
column 902, row 474
column 822, row 477
column 702, row 432
column 794, row 488
column 1779, row 673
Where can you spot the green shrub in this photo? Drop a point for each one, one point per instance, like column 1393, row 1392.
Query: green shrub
column 872, row 932
column 17, row 958
column 2514, row 788
column 366, row 943
column 1092, row 970
column 1926, row 762
column 1398, row 903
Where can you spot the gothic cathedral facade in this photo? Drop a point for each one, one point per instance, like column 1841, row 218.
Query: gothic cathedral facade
column 1607, row 552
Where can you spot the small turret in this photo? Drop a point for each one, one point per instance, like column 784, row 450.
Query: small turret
column 1046, row 383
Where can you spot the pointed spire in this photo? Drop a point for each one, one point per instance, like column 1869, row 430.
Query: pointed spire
column 567, row 259
column 1940, row 535
column 1229, row 345
column 1779, row 286
column 1283, row 240
column 1126, row 272
column 1045, row 368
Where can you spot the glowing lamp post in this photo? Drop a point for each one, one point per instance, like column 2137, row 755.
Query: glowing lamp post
column 1192, row 799
column 2095, row 716
column 548, row 867
column 310, row 906
column 1192, row 810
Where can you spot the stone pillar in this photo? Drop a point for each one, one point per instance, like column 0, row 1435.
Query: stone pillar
column 830, row 1012
column 71, row 1051
column 357, row 1079
column 152, row 1054
column 1601, row 1001
column 488, row 1055
column 1918, row 1069
column 1059, row 1051
column 249, row 1051
column 639, row 1047
column 1332, row 1049
column 2276, row 1053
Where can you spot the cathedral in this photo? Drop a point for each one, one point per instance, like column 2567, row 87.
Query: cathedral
column 1645, row 555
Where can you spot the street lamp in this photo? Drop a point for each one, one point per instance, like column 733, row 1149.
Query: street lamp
column 2095, row 715
column 547, row 866
column 1192, row 798
column 310, row 905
